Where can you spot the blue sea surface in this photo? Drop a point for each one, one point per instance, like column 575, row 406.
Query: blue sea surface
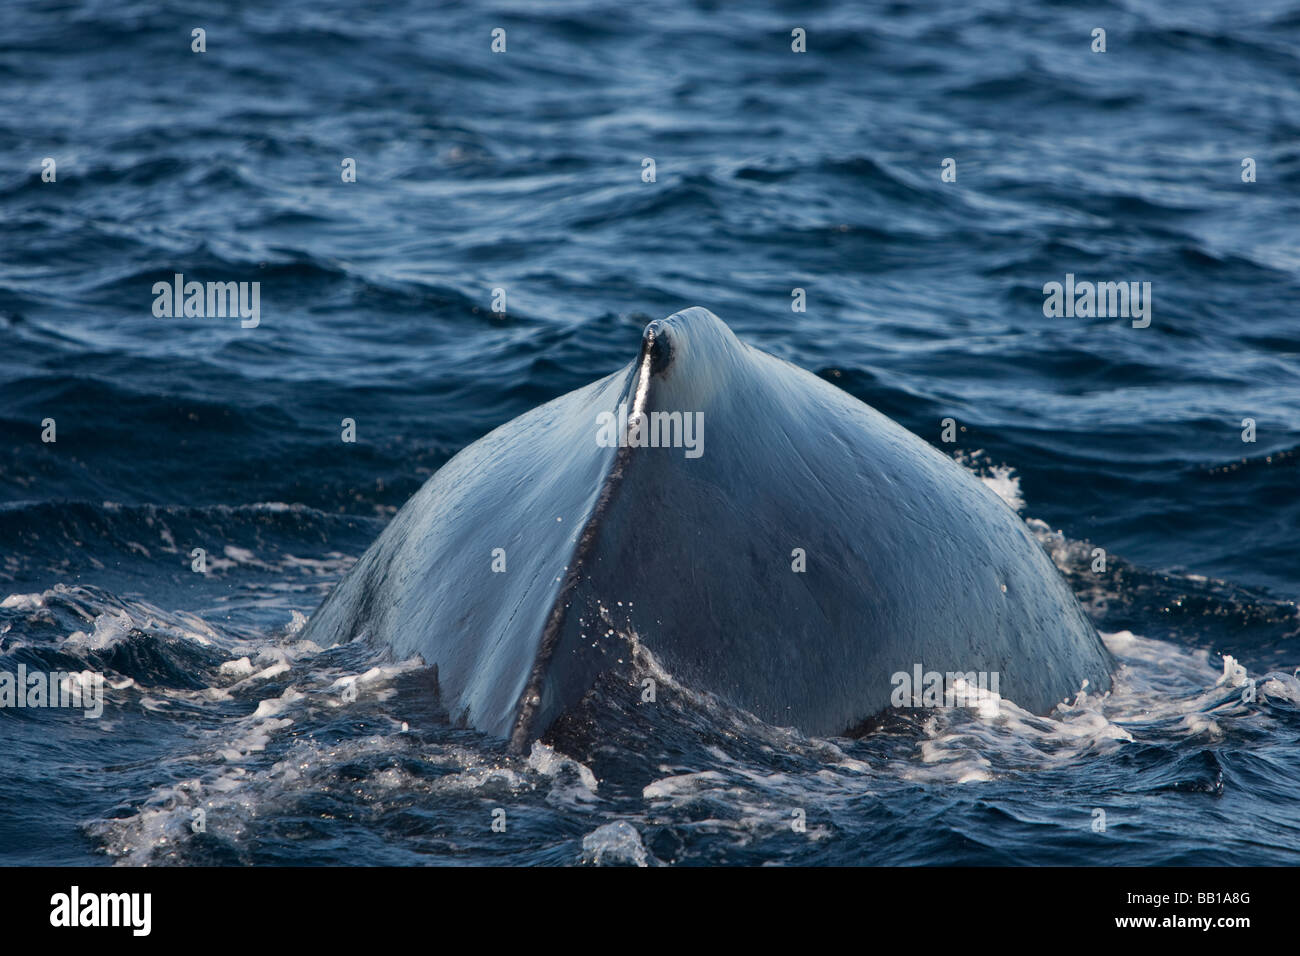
column 227, row 739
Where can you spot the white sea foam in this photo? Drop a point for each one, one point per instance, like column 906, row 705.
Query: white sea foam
column 1001, row 479
column 617, row 842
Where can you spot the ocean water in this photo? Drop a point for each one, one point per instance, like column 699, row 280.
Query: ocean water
column 226, row 739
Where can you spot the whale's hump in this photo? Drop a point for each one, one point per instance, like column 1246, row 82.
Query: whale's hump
column 769, row 538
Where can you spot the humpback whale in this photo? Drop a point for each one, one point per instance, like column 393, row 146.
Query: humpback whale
column 769, row 538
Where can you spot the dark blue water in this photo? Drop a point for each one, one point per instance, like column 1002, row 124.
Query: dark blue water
column 522, row 171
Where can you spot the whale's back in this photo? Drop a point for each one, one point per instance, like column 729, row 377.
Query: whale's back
column 798, row 554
